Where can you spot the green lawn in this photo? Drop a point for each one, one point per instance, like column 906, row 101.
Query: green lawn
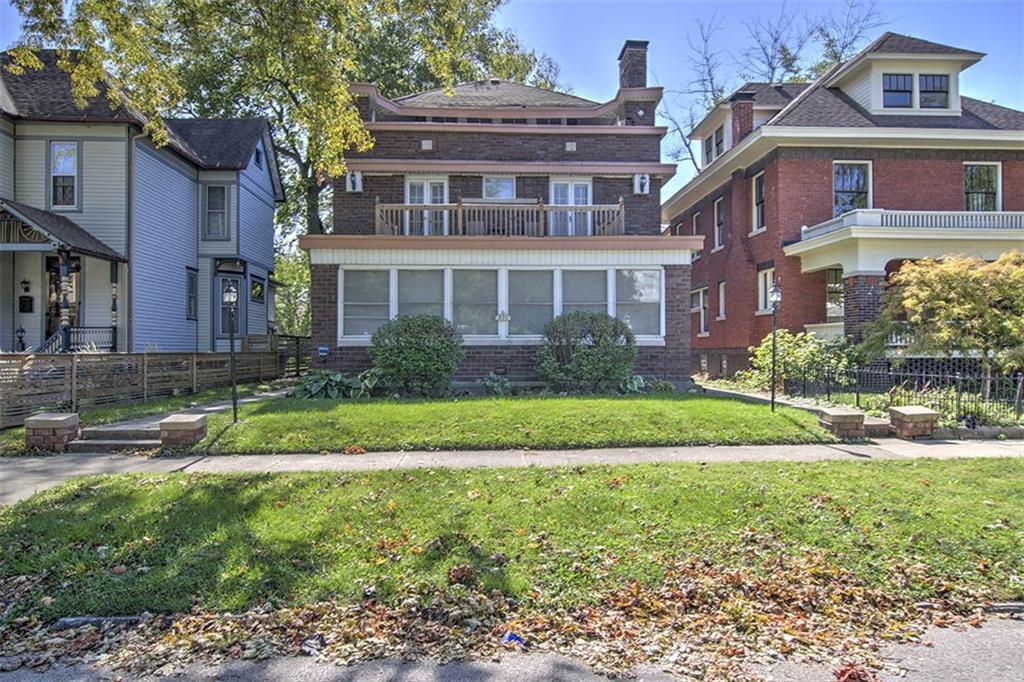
column 12, row 440
column 295, row 425
column 127, row 544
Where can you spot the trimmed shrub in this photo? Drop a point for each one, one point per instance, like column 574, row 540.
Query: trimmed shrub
column 586, row 353
column 795, row 353
column 416, row 355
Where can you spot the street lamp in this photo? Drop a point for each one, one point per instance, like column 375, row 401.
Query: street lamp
column 229, row 297
column 775, row 298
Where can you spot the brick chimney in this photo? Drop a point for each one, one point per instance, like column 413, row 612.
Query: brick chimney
column 742, row 105
column 633, row 64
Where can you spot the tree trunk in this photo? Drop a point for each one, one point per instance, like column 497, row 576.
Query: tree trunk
column 311, row 196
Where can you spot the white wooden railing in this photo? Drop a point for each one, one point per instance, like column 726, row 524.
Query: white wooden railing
column 954, row 220
column 500, row 219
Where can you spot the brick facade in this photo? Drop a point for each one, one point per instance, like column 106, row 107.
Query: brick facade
column 798, row 192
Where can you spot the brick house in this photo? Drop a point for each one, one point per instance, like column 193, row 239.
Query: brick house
column 825, row 188
column 500, row 206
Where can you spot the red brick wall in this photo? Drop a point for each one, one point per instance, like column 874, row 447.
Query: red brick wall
column 671, row 361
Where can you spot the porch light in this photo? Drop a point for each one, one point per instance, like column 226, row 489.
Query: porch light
column 25, row 285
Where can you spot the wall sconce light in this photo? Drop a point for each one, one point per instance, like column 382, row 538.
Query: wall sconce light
column 25, row 285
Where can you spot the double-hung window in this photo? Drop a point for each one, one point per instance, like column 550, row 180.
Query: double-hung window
column 696, row 231
column 981, row 186
column 719, row 141
column 766, row 278
column 699, row 304
column 851, row 186
column 216, row 224
column 709, row 150
column 64, row 174
column 719, row 223
column 757, row 196
column 721, row 300
column 191, row 294
column 934, row 92
column 897, row 90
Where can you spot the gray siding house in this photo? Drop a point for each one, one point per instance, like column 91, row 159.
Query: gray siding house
column 141, row 239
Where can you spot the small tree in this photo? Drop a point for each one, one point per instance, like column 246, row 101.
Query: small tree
column 957, row 304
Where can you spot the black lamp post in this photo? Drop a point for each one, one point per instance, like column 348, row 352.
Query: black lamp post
column 229, row 297
column 19, row 333
column 775, row 298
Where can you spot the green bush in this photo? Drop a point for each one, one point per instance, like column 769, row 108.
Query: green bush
column 496, row 385
column 416, row 355
column 660, row 386
column 586, row 353
column 794, row 354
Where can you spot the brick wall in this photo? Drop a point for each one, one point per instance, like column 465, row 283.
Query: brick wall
column 863, row 301
column 671, row 361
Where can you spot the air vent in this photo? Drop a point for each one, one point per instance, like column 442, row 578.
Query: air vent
column 494, row 81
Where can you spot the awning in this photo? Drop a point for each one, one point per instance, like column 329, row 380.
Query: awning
column 61, row 232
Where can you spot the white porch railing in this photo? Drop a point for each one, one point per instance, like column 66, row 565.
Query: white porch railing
column 955, row 220
column 826, row 331
column 500, row 219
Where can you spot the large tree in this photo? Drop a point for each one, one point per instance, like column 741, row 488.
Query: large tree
column 290, row 61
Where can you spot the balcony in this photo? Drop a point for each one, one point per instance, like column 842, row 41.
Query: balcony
column 916, row 220
column 514, row 218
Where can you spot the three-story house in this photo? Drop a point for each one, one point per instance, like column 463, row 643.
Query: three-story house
column 125, row 244
column 826, row 188
column 500, row 206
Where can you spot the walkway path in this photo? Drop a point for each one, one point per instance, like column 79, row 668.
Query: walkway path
column 20, row 477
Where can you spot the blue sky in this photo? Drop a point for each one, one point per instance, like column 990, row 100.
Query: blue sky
column 584, row 37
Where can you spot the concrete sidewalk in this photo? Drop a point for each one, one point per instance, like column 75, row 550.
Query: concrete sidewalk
column 21, row 477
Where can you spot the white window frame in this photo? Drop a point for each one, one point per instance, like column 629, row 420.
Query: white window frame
column 702, row 310
column 721, row 302
column 572, row 180
column 717, row 227
column 483, row 187
column 411, row 179
column 999, row 180
column 855, row 162
column 50, row 175
column 765, row 280
column 695, row 230
column 755, row 229
column 502, row 338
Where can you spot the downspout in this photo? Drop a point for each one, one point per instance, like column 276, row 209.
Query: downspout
column 129, row 300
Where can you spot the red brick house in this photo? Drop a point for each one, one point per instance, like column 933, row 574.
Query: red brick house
column 501, row 206
column 827, row 187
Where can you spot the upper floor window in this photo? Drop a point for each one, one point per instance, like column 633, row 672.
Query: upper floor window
column 719, row 223
column 499, row 187
column 257, row 157
column 514, row 121
column 757, row 195
column 216, row 224
column 696, row 230
column 934, row 92
column 981, row 186
column 897, row 90
column 549, row 121
column 64, row 174
column 851, row 187
column 709, row 149
column 719, row 141
column 475, row 119
column 191, row 294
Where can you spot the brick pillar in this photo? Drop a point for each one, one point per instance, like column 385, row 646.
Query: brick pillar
column 677, row 323
column 862, row 301
column 323, row 301
column 742, row 105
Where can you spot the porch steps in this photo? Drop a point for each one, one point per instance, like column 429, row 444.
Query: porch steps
column 116, row 439
column 81, row 445
column 876, row 427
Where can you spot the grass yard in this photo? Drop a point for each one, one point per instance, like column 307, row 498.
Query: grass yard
column 12, row 440
column 128, row 544
column 295, row 425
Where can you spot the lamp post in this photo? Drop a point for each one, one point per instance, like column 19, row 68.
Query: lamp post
column 229, row 297
column 19, row 333
column 775, row 298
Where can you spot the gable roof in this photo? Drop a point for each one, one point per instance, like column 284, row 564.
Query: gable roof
column 493, row 93
column 771, row 94
column 898, row 43
column 61, row 229
column 219, row 143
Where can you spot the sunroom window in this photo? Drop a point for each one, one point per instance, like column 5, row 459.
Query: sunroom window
column 531, row 301
column 421, row 292
column 584, row 291
column 475, row 301
column 366, row 295
column 638, row 300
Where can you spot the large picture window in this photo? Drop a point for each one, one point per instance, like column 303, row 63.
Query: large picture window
column 531, row 301
column 981, row 186
column 638, row 300
column 63, row 174
column 851, row 187
column 421, row 292
column 475, row 301
column 897, row 90
column 366, row 295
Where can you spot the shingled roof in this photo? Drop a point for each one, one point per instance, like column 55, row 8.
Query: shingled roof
column 491, row 93
column 898, row 43
column 61, row 229
column 225, row 143
column 771, row 94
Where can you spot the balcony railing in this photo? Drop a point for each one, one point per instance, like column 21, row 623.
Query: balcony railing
column 500, row 219
column 954, row 220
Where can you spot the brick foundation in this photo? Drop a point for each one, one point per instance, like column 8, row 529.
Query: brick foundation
column 51, row 431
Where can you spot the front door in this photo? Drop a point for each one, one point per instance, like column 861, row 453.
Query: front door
column 423, row 193
column 564, row 222
column 53, row 297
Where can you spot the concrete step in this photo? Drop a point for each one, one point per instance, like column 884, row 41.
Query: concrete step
column 112, row 445
column 876, row 427
column 114, row 433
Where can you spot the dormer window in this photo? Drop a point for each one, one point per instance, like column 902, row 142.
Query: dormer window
column 719, row 141
column 897, row 90
column 709, row 150
column 934, row 92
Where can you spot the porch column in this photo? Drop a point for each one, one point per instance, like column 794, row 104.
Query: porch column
column 862, row 302
column 65, row 314
column 114, row 265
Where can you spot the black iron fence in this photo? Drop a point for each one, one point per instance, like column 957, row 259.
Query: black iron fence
column 969, row 399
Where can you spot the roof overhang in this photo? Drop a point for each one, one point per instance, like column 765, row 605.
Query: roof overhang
column 59, row 232
column 768, row 137
column 516, row 129
column 473, row 167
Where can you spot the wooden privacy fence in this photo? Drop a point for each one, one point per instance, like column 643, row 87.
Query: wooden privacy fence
column 31, row 383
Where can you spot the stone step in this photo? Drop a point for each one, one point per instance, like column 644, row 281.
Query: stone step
column 114, row 433
column 112, row 445
column 876, row 427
